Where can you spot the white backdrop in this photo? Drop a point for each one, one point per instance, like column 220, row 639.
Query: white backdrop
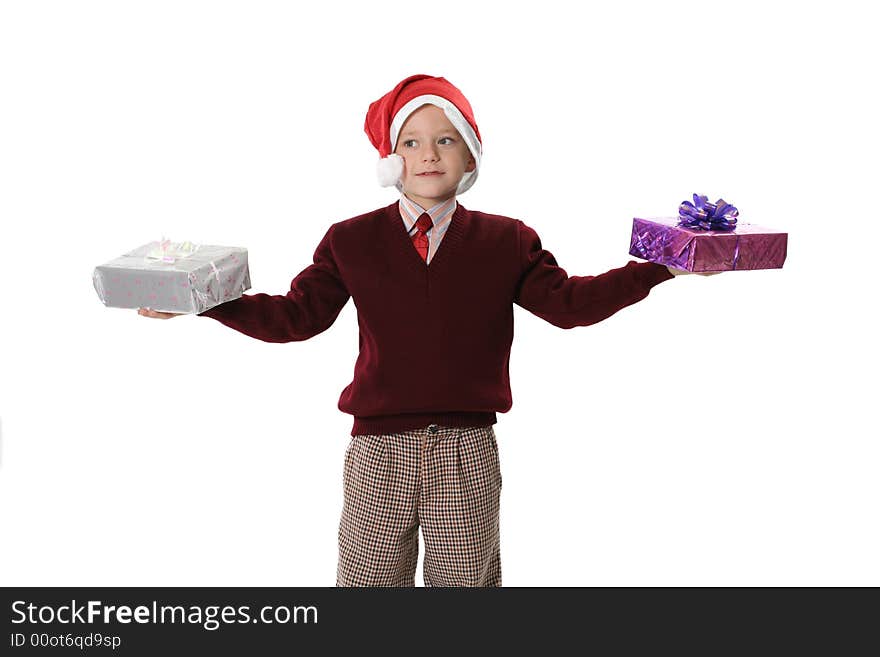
column 720, row 432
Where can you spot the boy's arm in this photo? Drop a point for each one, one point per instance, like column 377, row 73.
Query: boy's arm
column 546, row 290
column 317, row 296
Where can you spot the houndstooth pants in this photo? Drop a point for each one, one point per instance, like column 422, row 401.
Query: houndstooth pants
column 446, row 480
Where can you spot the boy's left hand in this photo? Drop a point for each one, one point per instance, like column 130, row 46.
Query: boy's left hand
column 681, row 272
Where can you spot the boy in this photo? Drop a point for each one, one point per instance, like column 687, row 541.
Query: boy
column 434, row 286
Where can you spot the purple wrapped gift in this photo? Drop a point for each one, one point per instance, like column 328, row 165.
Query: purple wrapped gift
column 697, row 241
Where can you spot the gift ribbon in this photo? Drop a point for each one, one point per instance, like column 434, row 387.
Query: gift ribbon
column 169, row 252
column 704, row 215
column 202, row 297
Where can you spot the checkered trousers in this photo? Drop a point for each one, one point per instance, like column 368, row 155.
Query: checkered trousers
column 446, row 480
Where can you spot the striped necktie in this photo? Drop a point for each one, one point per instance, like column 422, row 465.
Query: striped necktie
column 420, row 239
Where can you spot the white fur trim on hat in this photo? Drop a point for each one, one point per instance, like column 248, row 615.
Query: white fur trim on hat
column 389, row 169
column 456, row 119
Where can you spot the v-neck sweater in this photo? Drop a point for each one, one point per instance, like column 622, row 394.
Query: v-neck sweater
column 435, row 339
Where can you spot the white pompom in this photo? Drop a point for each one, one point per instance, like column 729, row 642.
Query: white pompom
column 389, row 169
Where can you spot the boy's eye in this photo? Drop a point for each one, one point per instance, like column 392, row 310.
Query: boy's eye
column 410, row 143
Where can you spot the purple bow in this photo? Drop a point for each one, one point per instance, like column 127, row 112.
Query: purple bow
column 703, row 215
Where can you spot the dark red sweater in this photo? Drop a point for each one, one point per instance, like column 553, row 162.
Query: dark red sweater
column 452, row 318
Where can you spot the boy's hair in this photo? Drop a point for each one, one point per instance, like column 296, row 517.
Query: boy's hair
column 386, row 117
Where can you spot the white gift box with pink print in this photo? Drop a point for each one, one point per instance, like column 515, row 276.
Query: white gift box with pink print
column 174, row 277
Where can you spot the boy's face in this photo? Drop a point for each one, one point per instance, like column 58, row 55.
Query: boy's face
column 428, row 142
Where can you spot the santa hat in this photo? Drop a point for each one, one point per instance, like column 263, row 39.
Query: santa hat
column 387, row 115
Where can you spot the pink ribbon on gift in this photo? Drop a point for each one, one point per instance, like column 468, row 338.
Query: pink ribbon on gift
column 170, row 252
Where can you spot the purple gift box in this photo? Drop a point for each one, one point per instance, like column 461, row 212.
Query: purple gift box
column 664, row 241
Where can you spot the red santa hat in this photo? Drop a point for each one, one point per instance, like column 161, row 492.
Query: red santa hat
column 387, row 115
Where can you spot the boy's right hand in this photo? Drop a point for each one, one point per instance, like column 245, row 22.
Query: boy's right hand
column 146, row 312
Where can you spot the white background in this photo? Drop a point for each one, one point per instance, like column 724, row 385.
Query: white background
column 720, row 432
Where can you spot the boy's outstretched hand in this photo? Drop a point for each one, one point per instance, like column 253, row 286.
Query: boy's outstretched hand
column 681, row 272
column 146, row 312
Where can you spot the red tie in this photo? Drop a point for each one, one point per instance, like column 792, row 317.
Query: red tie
column 420, row 239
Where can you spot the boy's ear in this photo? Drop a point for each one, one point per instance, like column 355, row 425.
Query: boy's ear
column 471, row 165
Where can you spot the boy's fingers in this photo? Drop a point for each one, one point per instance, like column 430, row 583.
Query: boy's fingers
column 146, row 312
column 685, row 272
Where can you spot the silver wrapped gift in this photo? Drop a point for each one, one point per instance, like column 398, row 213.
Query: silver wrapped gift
column 174, row 277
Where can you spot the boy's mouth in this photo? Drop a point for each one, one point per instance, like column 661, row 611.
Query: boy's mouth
column 430, row 173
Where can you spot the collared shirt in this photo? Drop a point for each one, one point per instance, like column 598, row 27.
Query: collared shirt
column 441, row 215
